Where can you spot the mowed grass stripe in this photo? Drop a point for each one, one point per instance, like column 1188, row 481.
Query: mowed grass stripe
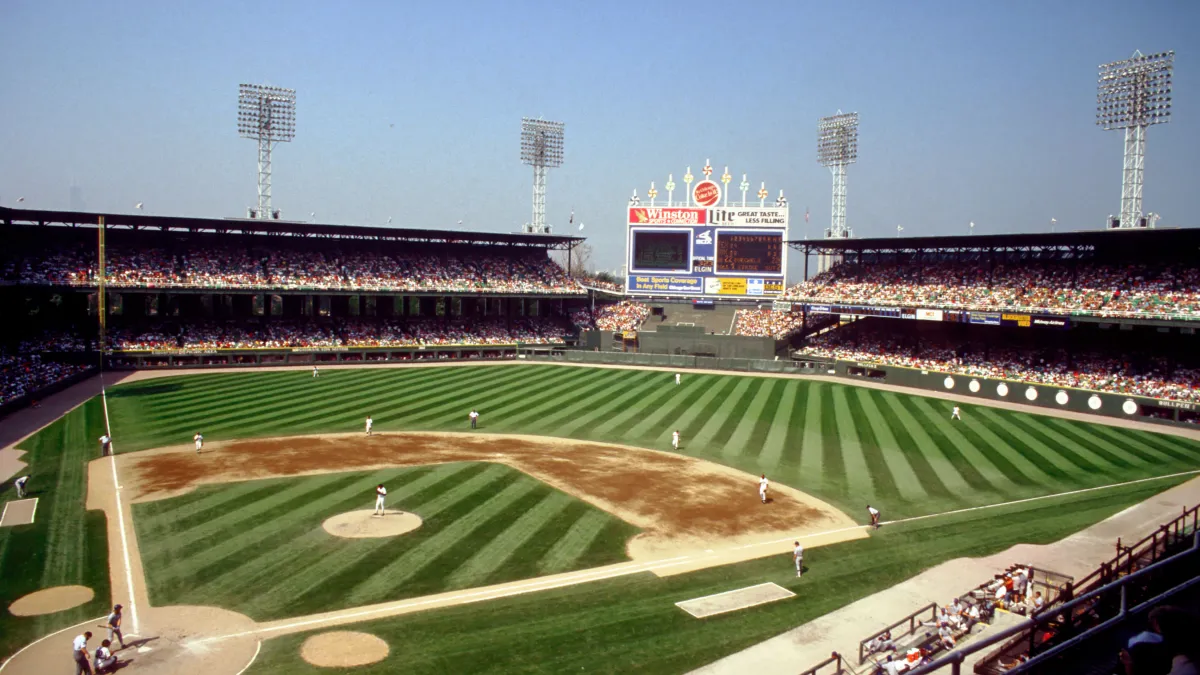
column 672, row 417
column 715, row 415
column 763, row 422
column 833, row 459
column 491, row 400
column 971, row 460
column 497, row 552
column 598, row 409
column 1085, row 435
column 860, row 476
column 1051, row 463
column 890, row 425
column 563, row 416
column 1123, row 459
column 419, row 403
column 1187, row 455
column 686, row 422
column 811, row 453
column 1016, row 465
column 284, row 387
column 886, row 466
column 739, row 442
column 781, row 424
column 1065, row 444
column 393, row 574
column 65, row 474
column 657, row 401
column 939, row 462
column 574, row 543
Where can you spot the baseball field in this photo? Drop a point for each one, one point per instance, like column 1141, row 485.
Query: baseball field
column 567, row 507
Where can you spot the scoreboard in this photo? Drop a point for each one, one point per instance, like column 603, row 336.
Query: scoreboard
column 729, row 252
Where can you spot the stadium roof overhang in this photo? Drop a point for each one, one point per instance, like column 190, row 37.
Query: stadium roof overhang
column 1165, row 239
column 236, row 226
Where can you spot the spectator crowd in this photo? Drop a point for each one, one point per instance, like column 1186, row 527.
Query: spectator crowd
column 622, row 316
column 25, row 374
column 462, row 271
column 1134, row 290
column 1108, row 373
column 766, row 323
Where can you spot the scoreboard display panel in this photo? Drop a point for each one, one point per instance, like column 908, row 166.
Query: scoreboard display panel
column 749, row 252
column 667, row 250
column 693, row 252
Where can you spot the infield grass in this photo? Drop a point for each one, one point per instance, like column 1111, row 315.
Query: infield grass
column 258, row 547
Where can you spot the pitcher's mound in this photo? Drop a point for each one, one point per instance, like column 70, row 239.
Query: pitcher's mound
column 363, row 525
column 51, row 600
column 343, row 649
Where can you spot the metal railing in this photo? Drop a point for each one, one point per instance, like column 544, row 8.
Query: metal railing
column 834, row 665
column 913, row 620
column 1153, row 545
column 1189, row 557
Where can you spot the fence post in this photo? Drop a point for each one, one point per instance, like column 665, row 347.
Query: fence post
column 1124, row 601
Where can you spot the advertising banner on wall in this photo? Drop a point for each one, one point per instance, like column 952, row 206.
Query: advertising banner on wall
column 929, row 315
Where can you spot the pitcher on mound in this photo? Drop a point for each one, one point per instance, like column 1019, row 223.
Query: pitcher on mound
column 380, row 493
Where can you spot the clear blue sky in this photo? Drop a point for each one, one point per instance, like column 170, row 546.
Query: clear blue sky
column 411, row 110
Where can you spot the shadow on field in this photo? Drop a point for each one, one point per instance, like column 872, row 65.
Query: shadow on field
column 148, row 390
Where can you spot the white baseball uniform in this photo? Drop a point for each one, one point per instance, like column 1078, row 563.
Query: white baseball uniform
column 380, row 493
column 676, row 378
column 762, row 489
column 20, row 483
column 954, row 415
column 369, row 423
column 199, row 441
column 798, row 554
column 675, row 440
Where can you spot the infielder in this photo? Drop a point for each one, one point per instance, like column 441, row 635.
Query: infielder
column 105, row 445
column 199, row 442
column 955, row 414
column 370, row 423
column 677, row 379
column 474, row 417
column 21, row 483
column 114, row 626
column 798, row 554
column 675, row 439
column 874, row 515
column 380, row 493
column 762, row 488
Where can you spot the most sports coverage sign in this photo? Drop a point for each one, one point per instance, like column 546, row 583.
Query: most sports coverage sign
column 714, row 252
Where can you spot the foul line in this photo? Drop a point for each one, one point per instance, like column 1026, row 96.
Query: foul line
column 257, row 648
column 624, row 569
column 112, row 454
column 47, row 637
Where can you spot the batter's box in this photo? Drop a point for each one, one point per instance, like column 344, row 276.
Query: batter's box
column 19, row 512
column 730, row 601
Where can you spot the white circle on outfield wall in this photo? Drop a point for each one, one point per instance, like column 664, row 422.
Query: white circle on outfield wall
column 949, row 382
column 1129, row 407
column 1031, row 393
column 1002, row 389
column 974, row 386
column 1095, row 402
column 1061, row 397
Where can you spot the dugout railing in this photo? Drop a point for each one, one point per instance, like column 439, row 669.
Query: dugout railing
column 908, row 625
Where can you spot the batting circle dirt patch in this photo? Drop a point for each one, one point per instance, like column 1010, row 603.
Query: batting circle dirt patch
column 365, row 524
column 51, row 600
column 343, row 649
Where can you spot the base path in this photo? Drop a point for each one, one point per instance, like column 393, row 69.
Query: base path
column 842, row 630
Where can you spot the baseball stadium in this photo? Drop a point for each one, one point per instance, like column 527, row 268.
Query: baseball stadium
column 259, row 446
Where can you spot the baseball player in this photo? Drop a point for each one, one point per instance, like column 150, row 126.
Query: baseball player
column 79, row 652
column 105, row 445
column 874, row 515
column 474, row 417
column 955, row 414
column 675, row 439
column 370, row 423
column 798, row 555
column 21, row 483
column 199, row 442
column 114, row 627
column 762, row 488
column 677, row 379
column 104, row 658
column 380, row 493
column 316, row 373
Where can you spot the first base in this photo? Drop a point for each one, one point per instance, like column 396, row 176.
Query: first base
column 18, row 512
column 730, row 601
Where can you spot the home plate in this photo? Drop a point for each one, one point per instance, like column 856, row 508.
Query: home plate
column 18, row 512
column 145, row 650
column 730, row 601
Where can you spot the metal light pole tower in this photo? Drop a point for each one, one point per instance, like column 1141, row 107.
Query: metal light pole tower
column 837, row 147
column 267, row 115
column 1131, row 95
column 541, row 147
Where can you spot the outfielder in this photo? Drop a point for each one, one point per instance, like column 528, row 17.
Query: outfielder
column 370, row 423
column 474, row 417
column 798, row 555
column 762, row 488
column 955, row 414
column 21, row 483
column 380, row 493
column 199, row 442
column 874, row 515
column 675, row 439
column 316, row 373
column 676, row 379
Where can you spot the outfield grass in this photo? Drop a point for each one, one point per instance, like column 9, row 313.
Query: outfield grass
column 258, row 548
column 631, row 624
column 845, row 444
column 65, row 545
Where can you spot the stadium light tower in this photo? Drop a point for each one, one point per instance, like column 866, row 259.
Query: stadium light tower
column 1131, row 95
column 267, row 115
column 542, row 148
column 837, row 147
